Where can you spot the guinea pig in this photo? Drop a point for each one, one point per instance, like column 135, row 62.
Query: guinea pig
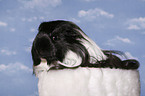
column 62, row 44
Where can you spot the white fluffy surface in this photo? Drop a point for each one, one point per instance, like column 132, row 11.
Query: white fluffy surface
column 89, row 82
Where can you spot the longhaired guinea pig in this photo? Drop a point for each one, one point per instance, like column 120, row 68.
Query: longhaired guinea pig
column 62, row 44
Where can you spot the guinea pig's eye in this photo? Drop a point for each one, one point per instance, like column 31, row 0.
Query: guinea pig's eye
column 55, row 38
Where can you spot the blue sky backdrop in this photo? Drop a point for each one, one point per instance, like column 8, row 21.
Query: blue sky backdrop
column 112, row 24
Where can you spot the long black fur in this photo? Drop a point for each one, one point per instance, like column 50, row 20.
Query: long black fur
column 55, row 38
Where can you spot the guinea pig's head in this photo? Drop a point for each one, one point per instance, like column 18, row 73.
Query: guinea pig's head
column 63, row 42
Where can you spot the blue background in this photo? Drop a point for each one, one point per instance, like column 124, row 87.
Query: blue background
column 112, row 24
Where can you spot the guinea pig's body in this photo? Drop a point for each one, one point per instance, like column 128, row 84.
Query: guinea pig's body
column 62, row 44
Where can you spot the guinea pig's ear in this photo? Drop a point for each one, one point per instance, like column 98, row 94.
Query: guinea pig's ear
column 71, row 60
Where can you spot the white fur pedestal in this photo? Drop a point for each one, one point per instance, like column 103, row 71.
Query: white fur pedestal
column 89, row 82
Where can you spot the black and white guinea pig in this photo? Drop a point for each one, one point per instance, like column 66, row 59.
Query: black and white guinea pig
column 62, row 44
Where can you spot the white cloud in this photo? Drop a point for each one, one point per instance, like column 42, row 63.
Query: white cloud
column 129, row 56
column 33, row 30
column 3, row 67
column 4, row 24
column 7, row 52
column 135, row 27
column 14, row 67
column 28, row 48
column 41, row 18
column 40, row 3
column 16, row 77
column 30, row 20
column 94, row 13
column 110, row 42
column 136, row 23
column 125, row 40
column 24, row 19
column 35, row 18
column 75, row 20
column 12, row 29
column 114, row 41
column 143, row 56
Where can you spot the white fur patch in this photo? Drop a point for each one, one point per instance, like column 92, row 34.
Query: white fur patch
column 95, row 52
column 71, row 60
column 41, row 67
